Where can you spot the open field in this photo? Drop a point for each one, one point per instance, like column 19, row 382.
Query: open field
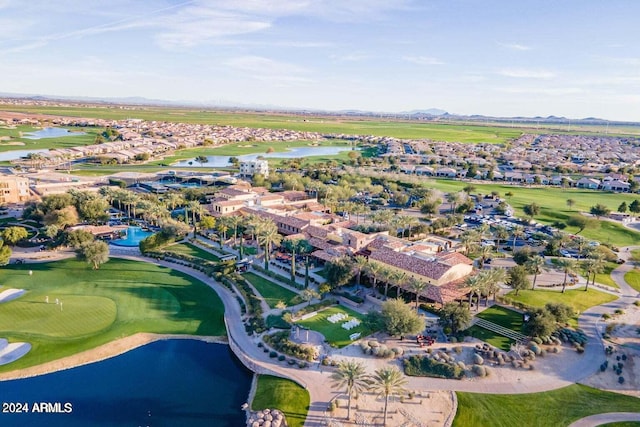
column 334, row 333
column 272, row 292
column 98, row 306
column 576, row 298
column 285, row 395
column 553, row 408
column 192, row 250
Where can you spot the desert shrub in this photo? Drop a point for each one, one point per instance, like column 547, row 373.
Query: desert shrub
column 281, row 342
column 457, row 349
column 580, row 349
column 618, row 311
column 606, row 316
column 420, row 366
column 479, row 370
column 477, row 359
column 272, row 354
column 621, row 380
column 537, row 340
column 398, row 351
column 281, row 357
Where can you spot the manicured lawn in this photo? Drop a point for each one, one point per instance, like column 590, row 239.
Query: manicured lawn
column 622, row 424
column 334, row 333
column 18, row 142
column 553, row 408
column 491, row 338
column 633, row 279
column 503, row 316
column 192, row 250
column 98, row 306
column 272, row 292
column 576, row 298
column 553, row 206
column 285, row 395
column 605, row 276
column 635, row 255
column 500, row 316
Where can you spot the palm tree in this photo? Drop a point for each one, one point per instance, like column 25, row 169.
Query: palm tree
column 469, row 240
column 173, row 200
column 234, row 221
column 535, row 265
column 374, row 271
column 517, row 232
column 268, row 236
column 360, row 264
column 485, row 253
column 387, row 382
column 501, row 233
column 417, row 286
column 475, row 285
column 594, row 265
column 294, row 247
column 195, row 208
column 492, row 278
column 567, row 265
column 354, row 377
column 398, row 279
column 222, row 226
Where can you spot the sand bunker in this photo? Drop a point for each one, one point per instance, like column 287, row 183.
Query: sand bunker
column 10, row 294
column 12, row 352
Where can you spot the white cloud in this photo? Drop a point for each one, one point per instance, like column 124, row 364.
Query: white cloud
column 352, row 57
column 557, row 91
column 515, row 46
column 527, row 73
column 266, row 69
column 423, row 60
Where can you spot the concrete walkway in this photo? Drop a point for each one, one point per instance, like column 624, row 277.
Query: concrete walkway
column 319, row 384
column 610, row 417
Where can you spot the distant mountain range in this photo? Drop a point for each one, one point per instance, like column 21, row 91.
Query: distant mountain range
column 431, row 114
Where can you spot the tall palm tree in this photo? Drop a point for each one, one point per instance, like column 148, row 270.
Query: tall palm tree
column 222, row 226
column 294, row 247
column 268, row 236
column 517, row 232
column 196, row 210
column 398, row 279
column 567, row 265
column 173, row 200
column 352, row 376
column 469, row 240
column 417, row 286
column 234, row 222
column 475, row 284
column 492, row 278
column 360, row 264
column 535, row 265
column 374, row 271
column 386, row 382
column 594, row 265
column 501, row 234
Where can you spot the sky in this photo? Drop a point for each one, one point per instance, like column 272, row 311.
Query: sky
column 572, row 58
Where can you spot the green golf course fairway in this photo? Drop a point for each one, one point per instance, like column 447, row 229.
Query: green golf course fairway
column 120, row 299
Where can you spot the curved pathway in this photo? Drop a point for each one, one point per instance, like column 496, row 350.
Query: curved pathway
column 609, row 417
column 318, row 383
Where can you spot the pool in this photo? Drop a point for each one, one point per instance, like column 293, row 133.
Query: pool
column 133, row 237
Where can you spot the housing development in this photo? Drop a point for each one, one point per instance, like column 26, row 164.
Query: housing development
column 358, row 278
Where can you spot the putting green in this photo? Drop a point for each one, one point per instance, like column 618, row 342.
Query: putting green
column 99, row 306
column 77, row 316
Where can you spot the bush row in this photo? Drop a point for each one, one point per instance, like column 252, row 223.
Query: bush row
column 281, row 342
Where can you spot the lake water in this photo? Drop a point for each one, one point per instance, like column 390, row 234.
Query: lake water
column 166, row 383
column 291, row 153
column 50, row 133
column 18, row 154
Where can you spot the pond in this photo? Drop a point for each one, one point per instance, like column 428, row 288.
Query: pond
column 166, row 383
column 50, row 133
column 291, row 153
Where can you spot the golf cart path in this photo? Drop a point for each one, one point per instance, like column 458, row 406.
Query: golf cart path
column 606, row 418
